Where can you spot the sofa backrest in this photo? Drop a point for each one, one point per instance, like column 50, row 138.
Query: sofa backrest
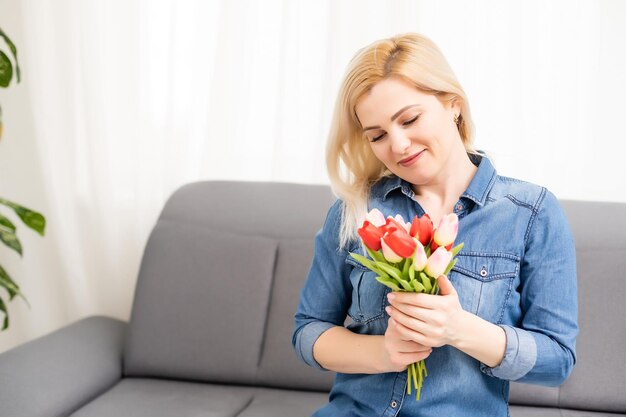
column 220, row 281
column 598, row 381
column 222, row 271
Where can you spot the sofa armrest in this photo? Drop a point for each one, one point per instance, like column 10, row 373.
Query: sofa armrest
column 58, row 373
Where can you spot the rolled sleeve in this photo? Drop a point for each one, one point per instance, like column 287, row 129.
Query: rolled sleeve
column 519, row 357
column 305, row 339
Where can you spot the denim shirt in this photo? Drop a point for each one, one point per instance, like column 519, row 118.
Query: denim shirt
column 516, row 270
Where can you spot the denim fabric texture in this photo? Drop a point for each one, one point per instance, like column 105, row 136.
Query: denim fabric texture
column 516, row 270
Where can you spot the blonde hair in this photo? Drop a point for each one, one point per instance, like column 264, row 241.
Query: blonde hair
column 352, row 166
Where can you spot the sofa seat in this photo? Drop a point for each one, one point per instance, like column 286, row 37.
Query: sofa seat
column 143, row 397
column 523, row 411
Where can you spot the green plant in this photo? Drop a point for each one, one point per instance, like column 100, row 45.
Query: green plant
column 31, row 218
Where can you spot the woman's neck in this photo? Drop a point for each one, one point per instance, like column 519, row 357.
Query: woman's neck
column 444, row 192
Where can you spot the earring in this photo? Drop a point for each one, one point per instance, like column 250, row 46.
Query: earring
column 457, row 120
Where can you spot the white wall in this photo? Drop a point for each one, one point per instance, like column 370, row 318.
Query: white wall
column 107, row 122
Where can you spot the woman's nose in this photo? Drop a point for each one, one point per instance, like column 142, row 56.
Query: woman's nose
column 399, row 142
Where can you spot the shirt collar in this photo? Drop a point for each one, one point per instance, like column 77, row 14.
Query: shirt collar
column 477, row 190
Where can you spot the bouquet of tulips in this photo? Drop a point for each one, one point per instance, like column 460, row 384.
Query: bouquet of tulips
column 409, row 257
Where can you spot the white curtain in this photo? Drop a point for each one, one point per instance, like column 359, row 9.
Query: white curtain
column 123, row 101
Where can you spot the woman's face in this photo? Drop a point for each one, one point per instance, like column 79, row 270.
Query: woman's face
column 411, row 132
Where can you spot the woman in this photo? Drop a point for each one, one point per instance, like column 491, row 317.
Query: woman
column 508, row 309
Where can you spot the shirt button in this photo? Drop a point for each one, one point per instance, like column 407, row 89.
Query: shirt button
column 483, row 272
column 394, row 404
column 459, row 207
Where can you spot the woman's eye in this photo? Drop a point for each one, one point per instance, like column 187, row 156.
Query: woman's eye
column 408, row 122
column 378, row 138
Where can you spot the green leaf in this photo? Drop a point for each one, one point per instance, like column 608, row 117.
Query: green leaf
column 390, row 270
column 455, row 250
column 449, row 268
column 375, row 255
column 14, row 52
column 6, row 224
column 411, row 274
column 32, row 219
column 389, row 283
column 6, row 70
column 10, row 239
column 417, row 286
column 406, row 266
column 426, row 281
column 3, row 308
column 368, row 264
column 12, row 288
column 7, row 283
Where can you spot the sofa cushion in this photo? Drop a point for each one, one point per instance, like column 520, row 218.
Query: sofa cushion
column 200, row 305
column 138, row 397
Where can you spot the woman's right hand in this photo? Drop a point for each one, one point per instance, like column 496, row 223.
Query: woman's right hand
column 400, row 353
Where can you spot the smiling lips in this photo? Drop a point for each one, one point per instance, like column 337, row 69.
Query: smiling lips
column 408, row 161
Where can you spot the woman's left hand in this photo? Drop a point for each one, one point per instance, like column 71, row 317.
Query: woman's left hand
column 430, row 320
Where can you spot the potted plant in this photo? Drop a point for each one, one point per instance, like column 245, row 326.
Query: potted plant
column 31, row 218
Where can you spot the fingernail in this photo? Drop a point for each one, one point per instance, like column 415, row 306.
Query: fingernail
column 391, row 297
column 388, row 310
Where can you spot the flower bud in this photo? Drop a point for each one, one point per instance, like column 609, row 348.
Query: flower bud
column 438, row 262
column 419, row 257
column 447, row 230
column 370, row 235
column 422, row 228
column 376, row 217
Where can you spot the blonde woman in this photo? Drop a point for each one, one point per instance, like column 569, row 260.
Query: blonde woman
column 401, row 142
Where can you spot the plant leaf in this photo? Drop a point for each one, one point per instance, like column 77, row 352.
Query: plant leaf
column 32, row 219
column 449, row 268
column 6, row 70
column 417, row 286
column 390, row 270
column 389, row 283
column 14, row 52
column 426, row 281
column 455, row 250
column 3, row 308
column 411, row 274
column 7, row 283
column 368, row 264
column 375, row 255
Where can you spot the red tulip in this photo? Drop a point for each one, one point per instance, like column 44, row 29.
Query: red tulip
column 422, row 228
column 399, row 244
column 371, row 235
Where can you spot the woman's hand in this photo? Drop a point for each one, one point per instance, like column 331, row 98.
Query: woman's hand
column 424, row 319
column 400, row 353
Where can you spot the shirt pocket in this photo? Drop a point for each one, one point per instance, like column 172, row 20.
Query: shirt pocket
column 484, row 282
column 368, row 295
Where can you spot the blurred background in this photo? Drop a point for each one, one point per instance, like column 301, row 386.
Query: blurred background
column 123, row 101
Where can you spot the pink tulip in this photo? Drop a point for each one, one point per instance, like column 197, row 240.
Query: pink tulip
column 389, row 254
column 376, row 217
column 447, row 230
column 419, row 257
column 438, row 262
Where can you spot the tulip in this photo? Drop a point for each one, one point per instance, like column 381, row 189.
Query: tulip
column 371, row 235
column 422, row 228
column 446, row 232
column 419, row 257
column 438, row 262
column 397, row 244
column 375, row 217
column 397, row 223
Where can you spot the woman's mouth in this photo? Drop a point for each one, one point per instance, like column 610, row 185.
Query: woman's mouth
column 411, row 159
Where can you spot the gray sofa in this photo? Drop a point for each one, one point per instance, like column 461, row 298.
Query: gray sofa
column 210, row 330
